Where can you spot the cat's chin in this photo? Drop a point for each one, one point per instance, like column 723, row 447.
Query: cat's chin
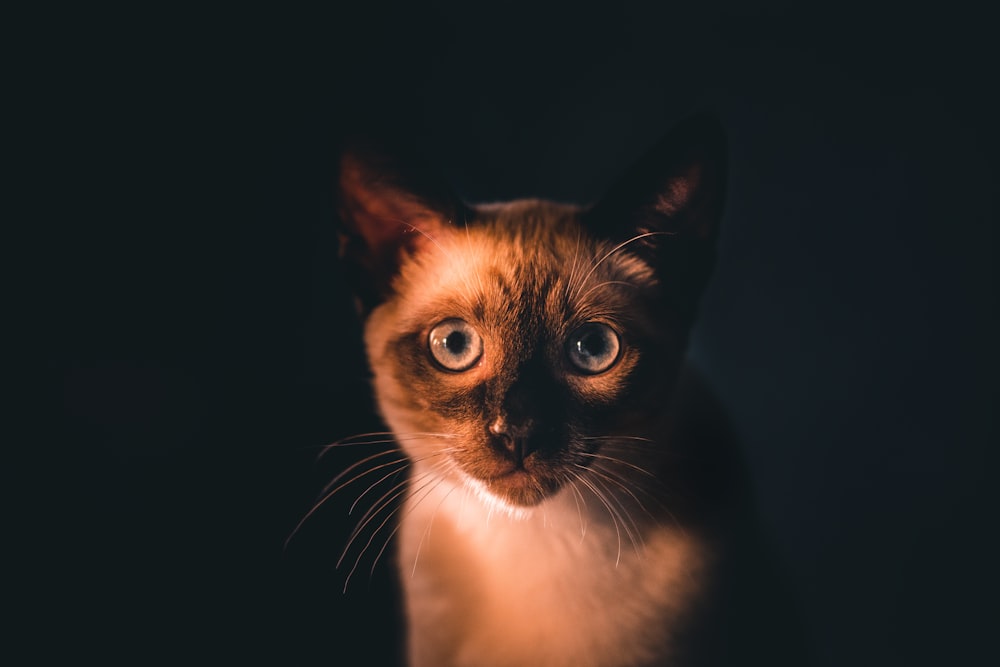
column 515, row 494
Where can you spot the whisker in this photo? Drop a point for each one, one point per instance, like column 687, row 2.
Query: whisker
column 358, row 436
column 571, row 282
column 379, row 504
column 388, row 539
column 620, row 483
column 354, row 466
column 384, row 501
column 611, row 512
column 613, row 459
column 427, row 529
column 577, row 495
column 615, row 438
column 383, row 438
column 326, row 496
column 632, row 448
column 605, row 283
column 637, row 237
column 436, row 481
column 622, row 514
column 372, row 486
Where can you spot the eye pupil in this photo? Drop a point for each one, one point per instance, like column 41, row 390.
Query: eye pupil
column 456, row 342
column 592, row 345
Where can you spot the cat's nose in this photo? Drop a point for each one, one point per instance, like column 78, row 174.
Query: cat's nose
column 504, row 426
column 513, row 438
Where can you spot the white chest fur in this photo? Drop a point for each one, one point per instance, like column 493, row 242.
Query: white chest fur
column 571, row 584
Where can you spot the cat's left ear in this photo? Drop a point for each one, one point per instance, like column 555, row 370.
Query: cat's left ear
column 668, row 206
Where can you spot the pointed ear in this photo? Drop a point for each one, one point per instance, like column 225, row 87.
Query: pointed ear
column 389, row 203
column 672, row 201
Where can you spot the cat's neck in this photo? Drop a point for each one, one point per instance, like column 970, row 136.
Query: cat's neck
column 554, row 577
column 575, row 515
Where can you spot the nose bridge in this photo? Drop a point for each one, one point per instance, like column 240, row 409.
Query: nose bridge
column 520, row 401
column 519, row 398
column 521, row 406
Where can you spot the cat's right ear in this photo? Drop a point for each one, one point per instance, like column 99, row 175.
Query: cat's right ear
column 389, row 203
column 667, row 208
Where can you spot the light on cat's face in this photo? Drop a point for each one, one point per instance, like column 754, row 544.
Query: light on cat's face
column 519, row 349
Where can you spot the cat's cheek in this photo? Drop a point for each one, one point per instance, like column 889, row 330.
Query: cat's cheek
column 412, row 381
column 605, row 389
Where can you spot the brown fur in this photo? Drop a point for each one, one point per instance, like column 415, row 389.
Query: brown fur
column 554, row 516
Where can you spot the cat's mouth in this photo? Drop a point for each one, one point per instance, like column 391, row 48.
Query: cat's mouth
column 516, row 474
column 517, row 478
column 516, row 485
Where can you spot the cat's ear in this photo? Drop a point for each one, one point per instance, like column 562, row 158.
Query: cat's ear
column 668, row 206
column 389, row 202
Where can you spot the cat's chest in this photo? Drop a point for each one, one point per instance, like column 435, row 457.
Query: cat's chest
column 491, row 590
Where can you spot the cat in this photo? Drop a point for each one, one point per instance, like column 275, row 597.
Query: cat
column 575, row 496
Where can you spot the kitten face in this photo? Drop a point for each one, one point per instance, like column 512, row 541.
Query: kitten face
column 510, row 344
column 524, row 342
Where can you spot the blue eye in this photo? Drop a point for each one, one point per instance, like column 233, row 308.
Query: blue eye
column 593, row 348
column 455, row 345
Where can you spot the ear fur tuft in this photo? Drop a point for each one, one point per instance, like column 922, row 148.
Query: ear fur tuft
column 389, row 202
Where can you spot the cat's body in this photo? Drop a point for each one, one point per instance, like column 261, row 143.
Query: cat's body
column 568, row 582
column 570, row 497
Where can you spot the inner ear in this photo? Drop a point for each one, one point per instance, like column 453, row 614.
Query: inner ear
column 676, row 189
column 382, row 213
column 390, row 203
column 667, row 209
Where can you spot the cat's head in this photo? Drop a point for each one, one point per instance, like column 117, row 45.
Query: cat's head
column 514, row 345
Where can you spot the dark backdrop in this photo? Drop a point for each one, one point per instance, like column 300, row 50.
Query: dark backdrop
column 198, row 348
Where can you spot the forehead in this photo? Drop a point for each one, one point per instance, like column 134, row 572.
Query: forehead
column 533, row 266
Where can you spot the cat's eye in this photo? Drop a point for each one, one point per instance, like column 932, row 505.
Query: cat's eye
column 593, row 348
column 455, row 345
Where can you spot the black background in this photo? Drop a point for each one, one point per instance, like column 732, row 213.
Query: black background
column 198, row 348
